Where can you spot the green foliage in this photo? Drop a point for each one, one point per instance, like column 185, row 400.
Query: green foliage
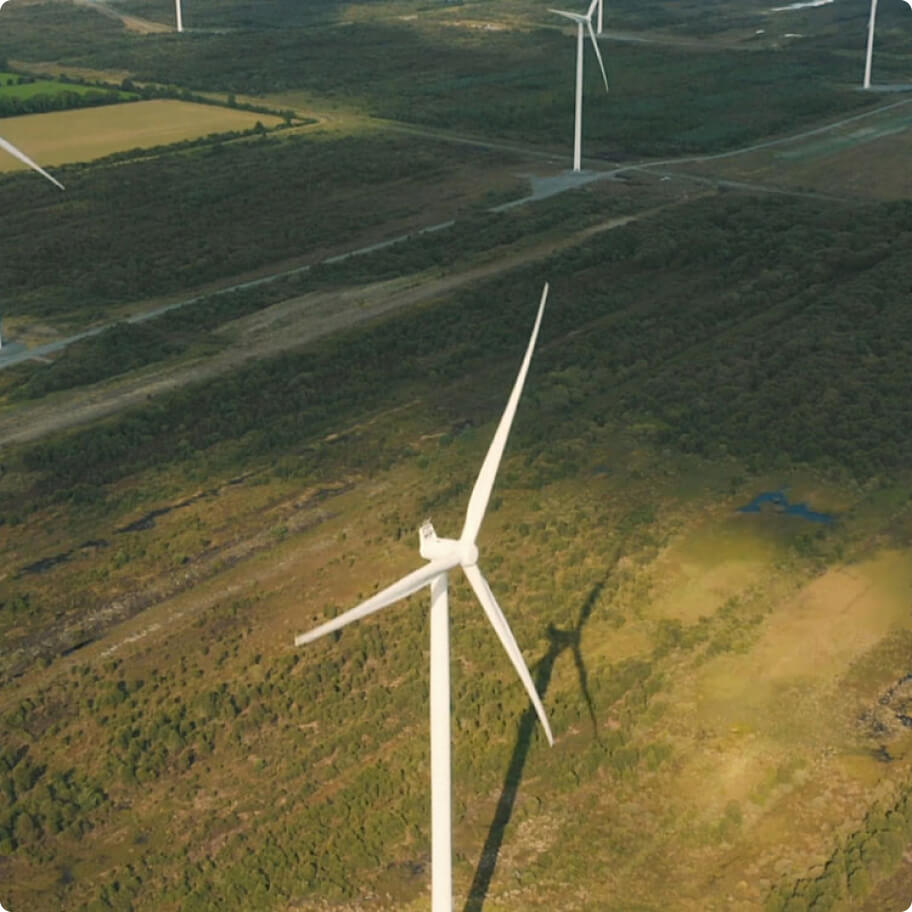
column 722, row 362
column 27, row 95
column 868, row 854
column 181, row 221
column 123, row 347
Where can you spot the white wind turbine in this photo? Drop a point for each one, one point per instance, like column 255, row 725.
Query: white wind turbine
column 17, row 153
column 180, row 24
column 443, row 555
column 580, row 22
column 867, row 74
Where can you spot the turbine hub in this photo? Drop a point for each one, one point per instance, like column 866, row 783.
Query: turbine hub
column 468, row 554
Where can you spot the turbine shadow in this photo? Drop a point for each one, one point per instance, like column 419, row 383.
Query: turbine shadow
column 559, row 640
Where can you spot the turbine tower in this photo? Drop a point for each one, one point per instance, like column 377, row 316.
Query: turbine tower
column 443, row 555
column 17, row 153
column 867, row 73
column 180, row 24
column 578, row 122
column 598, row 27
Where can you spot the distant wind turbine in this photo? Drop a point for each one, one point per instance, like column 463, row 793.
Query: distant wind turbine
column 867, row 74
column 17, row 153
column 578, row 123
column 443, row 555
column 180, row 24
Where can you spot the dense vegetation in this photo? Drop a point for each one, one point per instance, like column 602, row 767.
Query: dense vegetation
column 27, row 95
column 874, row 850
column 180, row 221
column 692, row 322
column 475, row 233
column 123, row 347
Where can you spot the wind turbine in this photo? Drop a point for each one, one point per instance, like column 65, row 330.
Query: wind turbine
column 598, row 27
column 17, row 153
column 443, row 555
column 180, row 24
column 867, row 74
column 580, row 22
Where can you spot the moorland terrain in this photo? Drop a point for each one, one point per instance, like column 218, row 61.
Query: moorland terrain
column 277, row 311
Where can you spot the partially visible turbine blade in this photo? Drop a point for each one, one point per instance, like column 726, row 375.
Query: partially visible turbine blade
column 481, row 588
column 400, row 590
column 27, row 161
column 481, row 493
column 574, row 17
column 598, row 53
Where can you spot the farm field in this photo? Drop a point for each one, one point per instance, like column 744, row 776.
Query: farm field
column 66, row 137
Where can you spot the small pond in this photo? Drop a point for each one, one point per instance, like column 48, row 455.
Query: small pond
column 780, row 504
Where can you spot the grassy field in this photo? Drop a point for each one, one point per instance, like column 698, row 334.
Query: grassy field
column 65, row 137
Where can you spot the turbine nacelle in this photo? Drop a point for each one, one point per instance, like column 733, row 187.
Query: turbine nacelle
column 459, row 551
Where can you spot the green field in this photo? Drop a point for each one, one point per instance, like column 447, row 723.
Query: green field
column 12, row 87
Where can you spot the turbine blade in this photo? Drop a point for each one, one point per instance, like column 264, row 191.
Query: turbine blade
column 573, row 17
column 399, row 590
column 481, row 588
column 481, row 493
column 16, row 153
column 592, row 7
column 598, row 53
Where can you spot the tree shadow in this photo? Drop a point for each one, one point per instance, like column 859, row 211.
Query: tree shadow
column 559, row 641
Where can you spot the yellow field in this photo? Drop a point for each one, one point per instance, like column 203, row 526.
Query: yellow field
column 63, row 137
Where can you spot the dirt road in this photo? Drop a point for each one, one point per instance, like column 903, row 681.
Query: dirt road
column 132, row 23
